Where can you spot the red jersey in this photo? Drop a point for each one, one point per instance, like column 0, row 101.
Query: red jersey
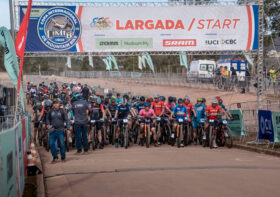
column 189, row 107
column 213, row 112
column 158, row 107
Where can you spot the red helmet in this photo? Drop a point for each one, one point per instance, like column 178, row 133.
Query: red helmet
column 218, row 98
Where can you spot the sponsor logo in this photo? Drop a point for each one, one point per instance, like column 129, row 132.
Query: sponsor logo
column 59, row 28
column 179, row 42
column 124, row 43
column 221, row 42
column 101, row 23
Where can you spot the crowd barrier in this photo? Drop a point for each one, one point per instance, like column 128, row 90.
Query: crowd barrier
column 14, row 143
column 175, row 79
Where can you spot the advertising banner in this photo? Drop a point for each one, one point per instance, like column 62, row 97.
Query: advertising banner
column 127, row 29
column 266, row 131
column 276, row 126
column 236, row 125
column 8, row 158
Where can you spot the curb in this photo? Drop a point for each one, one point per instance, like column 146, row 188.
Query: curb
column 257, row 150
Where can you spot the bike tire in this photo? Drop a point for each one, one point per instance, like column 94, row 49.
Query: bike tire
column 125, row 137
column 93, row 138
column 229, row 140
column 148, row 137
column 211, row 137
column 40, row 135
column 188, row 134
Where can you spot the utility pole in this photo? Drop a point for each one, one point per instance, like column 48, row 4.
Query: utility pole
column 12, row 18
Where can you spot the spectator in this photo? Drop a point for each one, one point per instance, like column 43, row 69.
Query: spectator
column 85, row 92
column 247, row 80
column 273, row 76
column 233, row 76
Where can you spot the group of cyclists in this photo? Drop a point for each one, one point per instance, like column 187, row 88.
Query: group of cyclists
column 75, row 115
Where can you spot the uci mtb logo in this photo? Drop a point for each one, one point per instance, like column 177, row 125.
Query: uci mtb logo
column 101, row 23
column 59, row 28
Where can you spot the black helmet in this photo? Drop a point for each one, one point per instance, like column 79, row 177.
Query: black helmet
column 107, row 100
column 142, row 98
column 170, row 99
column 180, row 100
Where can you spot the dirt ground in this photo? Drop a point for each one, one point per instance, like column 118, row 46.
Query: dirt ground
column 151, row 90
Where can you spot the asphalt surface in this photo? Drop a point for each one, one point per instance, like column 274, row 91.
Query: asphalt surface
column 163, row 171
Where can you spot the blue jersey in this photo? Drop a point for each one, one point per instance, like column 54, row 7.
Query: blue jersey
column 199, row 110
column 223, row 106
column 180, row 112
column 123, row 110
column 139, row 106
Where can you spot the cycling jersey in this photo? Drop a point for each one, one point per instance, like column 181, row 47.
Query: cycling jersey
column 200, row 110
column 158, row 107
column 112, row 108
column 171, row 106
column 123, row 111
column 189, row 107
column 32, row 92
column 97, row 112
column 147, row 114
column 180, row 112
column 139, row 107
column 213, row 112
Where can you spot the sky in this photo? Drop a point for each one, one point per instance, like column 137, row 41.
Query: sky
column 5, row 13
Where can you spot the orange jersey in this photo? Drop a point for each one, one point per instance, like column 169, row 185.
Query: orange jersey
column 213, row 112
column 158, row 107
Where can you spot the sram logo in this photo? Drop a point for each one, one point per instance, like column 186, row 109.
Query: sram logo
column 179, row 43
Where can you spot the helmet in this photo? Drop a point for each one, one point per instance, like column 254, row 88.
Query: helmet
column 46, row 96
column 180, row 100
column 98, row 100
column 162, row 98
column 203, row 100
column 146, row 104
column 187, row 97
column 77, row 96
column 214, row 101
column 109, row 94
column 170, row 99
column 218, row 98
column 91, row 98
column 142, row 98
column 113, row 100
column 48, row 103
column 156, row 96
column 199, row 100
column 126, row 96
column 174, row 99
column 118, row 94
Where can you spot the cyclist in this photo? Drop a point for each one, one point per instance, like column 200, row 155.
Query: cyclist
column 223, row 107
column 180, row 112
column 149, row 113
column 36, row 114
column 159, row 108
column 98, row 114
column 122, row 112
column 80, row 111
column 199, row 109
column 213, row 112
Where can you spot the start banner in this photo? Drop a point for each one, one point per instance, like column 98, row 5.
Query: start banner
column 127, row 29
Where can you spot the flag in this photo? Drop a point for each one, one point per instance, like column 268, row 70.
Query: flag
column 69, row 62
column 21, row 41
column 10, row 58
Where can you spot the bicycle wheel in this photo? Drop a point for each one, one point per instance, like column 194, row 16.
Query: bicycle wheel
column 125, row 137
column 40, row 135
column 148, row 137
column 93, row 138
column 211, row 137
column 228, row 139
column 114, row 134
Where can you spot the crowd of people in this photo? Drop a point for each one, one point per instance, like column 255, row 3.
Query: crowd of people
column 75, row 115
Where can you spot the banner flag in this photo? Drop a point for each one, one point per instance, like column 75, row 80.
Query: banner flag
column 10, row 59
column 276, row 126
column 21, row 41
column 114, row 61
column 183, row 59
column 90, row 60
column 69, row 62
column 236, row 125
column 140, row 62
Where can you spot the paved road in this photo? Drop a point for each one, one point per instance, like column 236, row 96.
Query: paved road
column 164, row 171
